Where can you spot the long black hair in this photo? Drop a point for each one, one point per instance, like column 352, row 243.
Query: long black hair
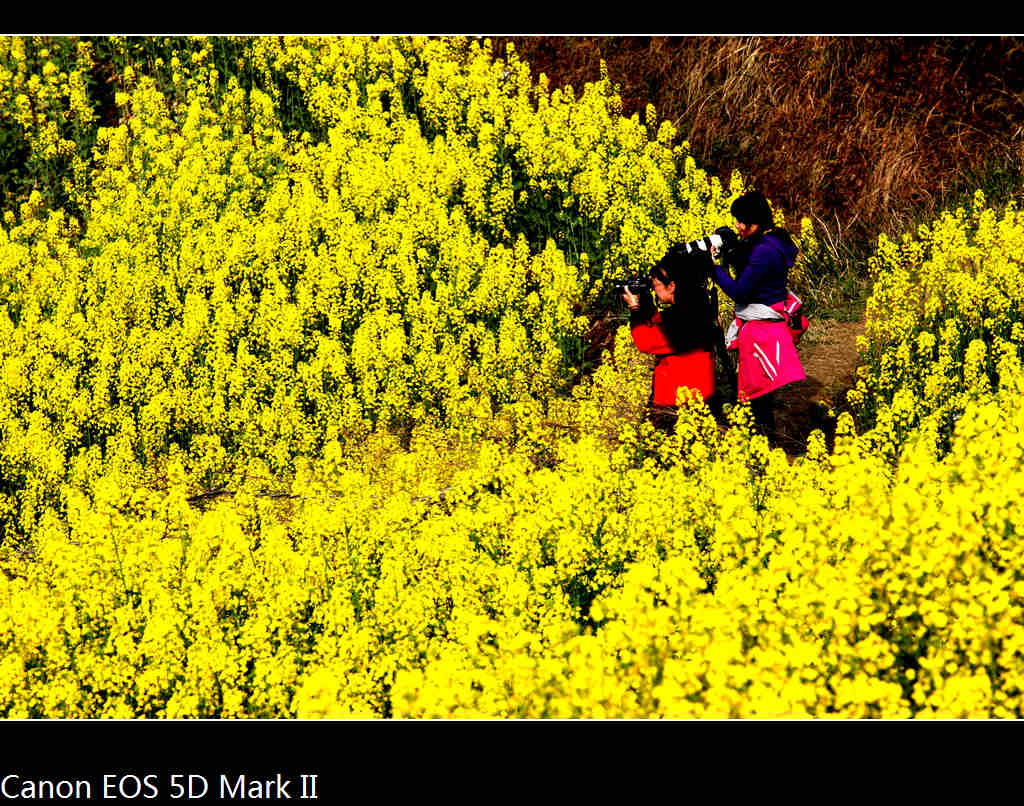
column 691, row 321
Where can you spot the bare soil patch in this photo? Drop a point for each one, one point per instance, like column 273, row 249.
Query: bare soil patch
column 829, row 354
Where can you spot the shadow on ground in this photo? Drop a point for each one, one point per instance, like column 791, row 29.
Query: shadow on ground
column 828, row 352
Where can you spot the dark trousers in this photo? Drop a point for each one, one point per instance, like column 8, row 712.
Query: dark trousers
column 763, row 409
column 663, row 418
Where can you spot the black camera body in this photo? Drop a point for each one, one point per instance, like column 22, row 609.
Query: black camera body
column 641, row 287
column 638, row 284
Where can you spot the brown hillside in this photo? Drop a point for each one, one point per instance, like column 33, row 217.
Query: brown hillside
column 855, row 132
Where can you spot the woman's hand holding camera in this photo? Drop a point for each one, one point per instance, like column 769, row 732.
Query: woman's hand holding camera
column 630, row 299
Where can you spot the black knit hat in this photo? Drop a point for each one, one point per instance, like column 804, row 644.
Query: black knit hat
column 752, row 208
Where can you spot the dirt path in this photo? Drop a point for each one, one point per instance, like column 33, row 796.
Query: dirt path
column 828, row 351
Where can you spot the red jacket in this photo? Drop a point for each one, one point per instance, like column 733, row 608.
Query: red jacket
column 694, row 369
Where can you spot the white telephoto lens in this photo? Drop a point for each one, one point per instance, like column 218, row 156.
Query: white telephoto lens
column 705, row 244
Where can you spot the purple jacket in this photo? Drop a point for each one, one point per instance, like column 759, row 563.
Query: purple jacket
column 763, row 279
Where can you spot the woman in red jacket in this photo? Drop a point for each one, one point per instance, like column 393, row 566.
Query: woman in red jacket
column 681, row 336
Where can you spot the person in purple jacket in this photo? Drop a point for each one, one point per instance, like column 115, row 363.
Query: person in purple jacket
column 767, row 354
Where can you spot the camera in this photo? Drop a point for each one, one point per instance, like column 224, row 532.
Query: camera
column 637, row 285
column 722, row 239
column 641, row 287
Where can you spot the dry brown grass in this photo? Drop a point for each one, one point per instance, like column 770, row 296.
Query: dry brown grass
column 859, row 132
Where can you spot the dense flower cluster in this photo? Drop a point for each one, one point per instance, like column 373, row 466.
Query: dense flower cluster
column 292, row 423
column 236, row 289
column 944, row 324
column 46, row 117
column 708, row 578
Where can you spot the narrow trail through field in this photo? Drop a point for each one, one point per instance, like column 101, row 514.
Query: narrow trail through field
column 828, row 352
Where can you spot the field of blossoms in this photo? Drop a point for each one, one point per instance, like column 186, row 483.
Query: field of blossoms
column 297, row 418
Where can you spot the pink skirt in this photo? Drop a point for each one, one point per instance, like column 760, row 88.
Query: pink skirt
column 767, row 358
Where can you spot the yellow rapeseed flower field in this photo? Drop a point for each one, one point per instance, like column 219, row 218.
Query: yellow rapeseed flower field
column 294, row 420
